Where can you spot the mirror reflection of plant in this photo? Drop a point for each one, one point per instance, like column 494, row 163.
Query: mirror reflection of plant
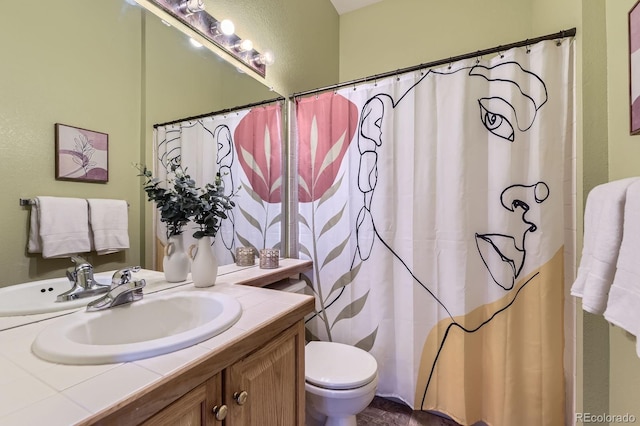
column 211, row 209
column 177, row 203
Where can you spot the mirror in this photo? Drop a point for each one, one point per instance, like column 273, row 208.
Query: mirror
column 107, row 66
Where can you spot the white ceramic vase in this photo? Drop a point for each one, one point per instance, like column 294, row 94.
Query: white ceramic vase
column 204, row 264
column 176, row 262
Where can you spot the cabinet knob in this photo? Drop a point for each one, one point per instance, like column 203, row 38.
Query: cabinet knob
column 220, row 412
column 240, row 397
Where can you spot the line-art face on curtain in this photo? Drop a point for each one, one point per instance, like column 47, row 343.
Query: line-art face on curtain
column 516, row 95
column 504, row 254
column 224, row 162
column 499, row 115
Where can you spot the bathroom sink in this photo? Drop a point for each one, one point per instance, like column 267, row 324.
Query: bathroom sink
column 155, row 325
column 39, row 297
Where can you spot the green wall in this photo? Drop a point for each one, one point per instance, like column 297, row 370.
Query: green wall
column 64, row 63
column 303, row 35
column 400, row 33
column 108, row 66
column 623, row 155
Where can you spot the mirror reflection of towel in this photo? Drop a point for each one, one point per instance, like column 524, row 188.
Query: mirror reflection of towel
column 109, row 221
column 59, row 227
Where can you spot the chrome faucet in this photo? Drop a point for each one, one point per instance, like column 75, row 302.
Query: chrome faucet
column 82, row 283
column 122, row 290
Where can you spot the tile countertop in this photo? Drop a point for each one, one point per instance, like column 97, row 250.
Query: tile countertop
column 34, row 391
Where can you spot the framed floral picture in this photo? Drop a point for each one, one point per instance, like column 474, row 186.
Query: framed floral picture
column 81, row 155
column 634, row 67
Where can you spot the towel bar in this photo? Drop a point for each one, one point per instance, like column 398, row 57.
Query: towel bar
column 31, row 202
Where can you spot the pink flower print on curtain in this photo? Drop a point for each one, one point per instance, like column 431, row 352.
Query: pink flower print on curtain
column 326, row 125
column 258, row 144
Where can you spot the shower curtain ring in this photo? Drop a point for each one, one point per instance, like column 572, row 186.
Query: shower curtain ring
column 450, row 62
column 478, row 57
column 528, row 48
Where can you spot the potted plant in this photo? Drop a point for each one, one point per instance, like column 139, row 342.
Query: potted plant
column 180, row 203
column 176, row 204
column 208, row 214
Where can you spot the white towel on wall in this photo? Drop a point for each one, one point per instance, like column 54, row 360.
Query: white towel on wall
column 603, row 227
column 623, row 306
column 59, row 227
column 109, row 221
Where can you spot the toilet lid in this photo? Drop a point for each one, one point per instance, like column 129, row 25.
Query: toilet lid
column 338, row 366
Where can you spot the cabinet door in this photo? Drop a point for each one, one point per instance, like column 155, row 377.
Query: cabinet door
column 193, row 409
column 267, row 387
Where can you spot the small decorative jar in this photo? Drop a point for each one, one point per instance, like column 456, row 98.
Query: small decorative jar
column 245, row 256
column 269, row 258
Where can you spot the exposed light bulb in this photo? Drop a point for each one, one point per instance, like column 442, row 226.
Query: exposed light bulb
column 195, row 43
column 266, row 58
column 244, row 46
column 226, row 27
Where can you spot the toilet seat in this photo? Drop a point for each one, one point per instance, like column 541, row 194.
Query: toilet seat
column 338, row 366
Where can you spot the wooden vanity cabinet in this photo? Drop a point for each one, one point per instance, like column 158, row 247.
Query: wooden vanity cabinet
column 191, row 409
column 265, row 387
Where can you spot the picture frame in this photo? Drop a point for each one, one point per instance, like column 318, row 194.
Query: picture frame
column 82, row 155
column 634, row 68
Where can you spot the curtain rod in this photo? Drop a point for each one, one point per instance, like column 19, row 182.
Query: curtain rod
column 222, row 111
column 559, row 35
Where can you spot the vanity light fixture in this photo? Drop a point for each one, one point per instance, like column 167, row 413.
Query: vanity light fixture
column 189, row 7
column 224, row 27
column 220, row 33
column 243, row 46
column 266, row 58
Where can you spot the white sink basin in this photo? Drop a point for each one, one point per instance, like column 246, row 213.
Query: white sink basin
column 155, row 325
column 39, row 297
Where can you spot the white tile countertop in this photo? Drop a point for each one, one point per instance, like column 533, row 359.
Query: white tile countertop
column 38, row 392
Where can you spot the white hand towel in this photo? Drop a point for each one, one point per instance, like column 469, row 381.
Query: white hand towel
column 109, row 225
column 623, row 306
column 62, row 225
column 605, row 220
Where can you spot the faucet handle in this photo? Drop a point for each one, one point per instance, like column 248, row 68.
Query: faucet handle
column 123, row 276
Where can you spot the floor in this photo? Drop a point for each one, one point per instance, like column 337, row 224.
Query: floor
column 385, row 412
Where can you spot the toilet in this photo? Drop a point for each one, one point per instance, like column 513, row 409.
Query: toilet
column 340, row 380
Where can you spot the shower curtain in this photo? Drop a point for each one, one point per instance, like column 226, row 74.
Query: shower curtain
column 433, row 205
column 244, row 146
